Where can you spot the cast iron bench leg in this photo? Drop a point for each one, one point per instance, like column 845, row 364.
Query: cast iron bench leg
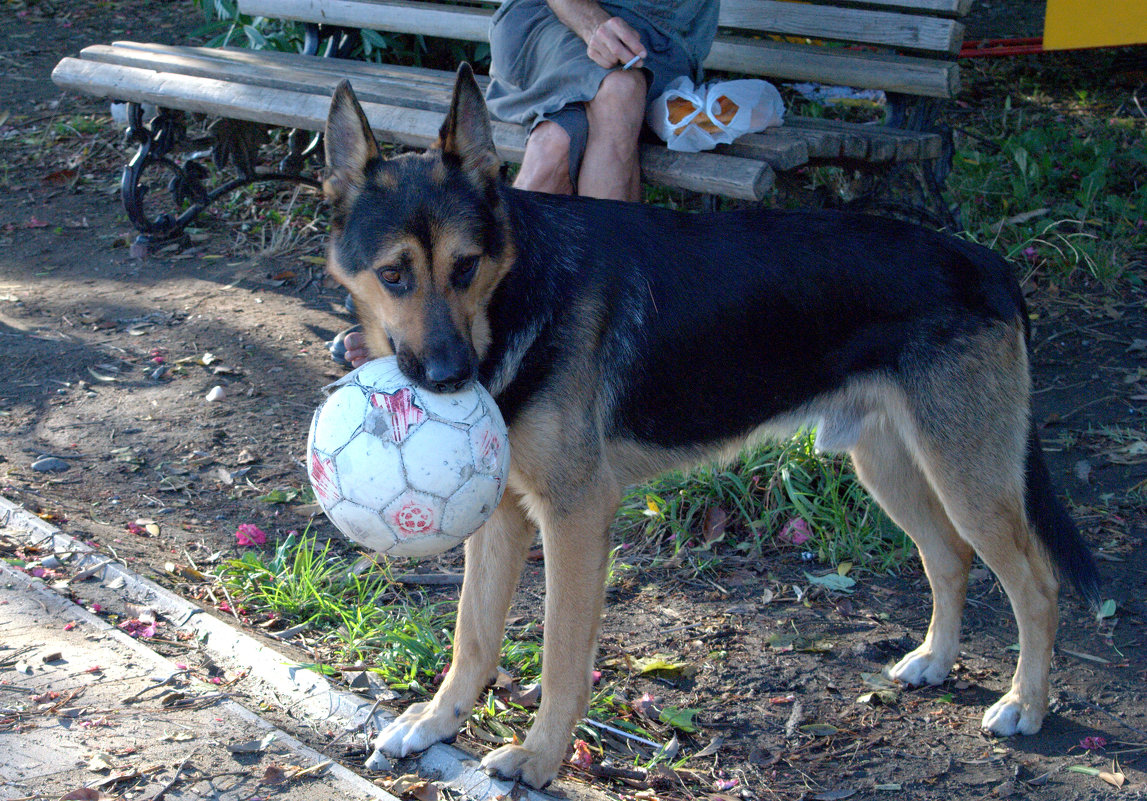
column 233, row 141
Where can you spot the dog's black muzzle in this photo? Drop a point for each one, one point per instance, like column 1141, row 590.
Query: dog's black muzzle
column 448, row 362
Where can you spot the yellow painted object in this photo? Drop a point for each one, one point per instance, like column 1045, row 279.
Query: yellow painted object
column 1071, row 24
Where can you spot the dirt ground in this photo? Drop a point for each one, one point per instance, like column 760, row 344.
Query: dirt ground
column 84, row 325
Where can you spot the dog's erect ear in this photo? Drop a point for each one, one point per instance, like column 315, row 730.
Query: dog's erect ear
column 349, row 144
column 467, row 134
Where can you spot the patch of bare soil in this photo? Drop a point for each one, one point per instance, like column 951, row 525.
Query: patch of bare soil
column 87, row 331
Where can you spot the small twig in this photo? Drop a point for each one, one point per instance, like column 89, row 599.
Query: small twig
column 794, row 720
column 611, row 772
column 365, row 725
column 230, row 603
column 168, row 682
column 671, row 630
column 1083, row 406
column 620, row 732
column 88, row 572
column 171, row 782
column 12, row 659
column 446, row 579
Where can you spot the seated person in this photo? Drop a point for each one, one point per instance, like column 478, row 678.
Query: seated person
column 559, row 68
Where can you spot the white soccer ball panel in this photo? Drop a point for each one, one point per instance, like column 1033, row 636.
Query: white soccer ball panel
column 338, row 419
column 362, row 526
column 437, row 458
column 489, row 447
column 471, row 506
column 379, row 374
column 324, row 478
column 426, row 545
column 452, row 406
column 370, row 471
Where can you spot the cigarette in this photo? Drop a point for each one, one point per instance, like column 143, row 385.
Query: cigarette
column 631, row 62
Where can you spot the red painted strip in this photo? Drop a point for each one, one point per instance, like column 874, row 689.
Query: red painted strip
column 982, row 48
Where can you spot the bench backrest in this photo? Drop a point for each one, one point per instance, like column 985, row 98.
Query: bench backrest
column 906, row 46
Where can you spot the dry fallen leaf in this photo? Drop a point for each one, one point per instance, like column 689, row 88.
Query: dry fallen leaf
column 85, row 794
column 252, row 746
column 274, row 775
column 100, row 761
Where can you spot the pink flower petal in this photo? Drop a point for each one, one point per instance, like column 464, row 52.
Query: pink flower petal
column 796, row 531
column 249, row 535
column 581, row 757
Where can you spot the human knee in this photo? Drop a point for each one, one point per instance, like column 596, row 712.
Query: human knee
column 550, row 145
column 620, row 99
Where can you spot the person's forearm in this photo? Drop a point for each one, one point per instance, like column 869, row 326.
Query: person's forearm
column 580, row 16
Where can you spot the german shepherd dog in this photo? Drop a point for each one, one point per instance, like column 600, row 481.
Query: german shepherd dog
column 621, row 340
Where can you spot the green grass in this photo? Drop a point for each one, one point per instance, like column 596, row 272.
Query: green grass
column 352, row 615
column 757, row 495
column 1053, row 172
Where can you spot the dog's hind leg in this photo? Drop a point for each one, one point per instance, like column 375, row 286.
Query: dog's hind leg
column 991, row 517
column 887, row 469
column 969, row 434
column 494, row 558
column 576, row 543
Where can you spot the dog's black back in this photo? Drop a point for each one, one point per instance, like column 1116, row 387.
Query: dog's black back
column 791, row 304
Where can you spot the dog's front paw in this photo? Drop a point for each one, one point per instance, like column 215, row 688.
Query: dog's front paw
column 517, row 762
column 922, row 666
column 1010, row 715
column 416, row 729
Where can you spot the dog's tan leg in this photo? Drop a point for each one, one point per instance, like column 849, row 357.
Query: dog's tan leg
column 494, row 559
column 972, row 445
column 887, row 469
column 577, row 548
column 998, row 530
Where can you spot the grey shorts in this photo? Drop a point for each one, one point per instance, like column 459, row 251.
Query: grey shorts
column 540, row 71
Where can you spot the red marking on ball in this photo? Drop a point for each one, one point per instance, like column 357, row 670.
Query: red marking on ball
column 405, row 414
column 322, row 478
column 413, row 519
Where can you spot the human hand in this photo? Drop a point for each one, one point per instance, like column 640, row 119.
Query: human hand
column 356, row 352
column 614, row 42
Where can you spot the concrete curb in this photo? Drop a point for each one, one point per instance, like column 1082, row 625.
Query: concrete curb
column 345, row 780
column 284, row 681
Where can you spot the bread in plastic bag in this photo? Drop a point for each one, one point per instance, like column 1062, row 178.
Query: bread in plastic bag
column 692, row 119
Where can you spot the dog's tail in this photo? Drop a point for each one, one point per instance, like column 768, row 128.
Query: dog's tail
column 1054, row 526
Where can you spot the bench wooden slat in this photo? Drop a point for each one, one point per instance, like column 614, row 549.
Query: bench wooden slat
column 831, row 139
column 413, row 86
column 296, row 73
column 396, row 16
column 907, row 145
column 947, row 8
column 699, row 172
column 910, row 31
column 865, row 26
column 794, row 62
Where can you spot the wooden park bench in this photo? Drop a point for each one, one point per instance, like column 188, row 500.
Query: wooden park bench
column 905, row 47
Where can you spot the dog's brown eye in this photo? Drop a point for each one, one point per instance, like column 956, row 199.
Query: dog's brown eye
column 464, row 269
column 390, row 276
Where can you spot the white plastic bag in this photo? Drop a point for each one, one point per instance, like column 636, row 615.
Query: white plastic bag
column 692, row 119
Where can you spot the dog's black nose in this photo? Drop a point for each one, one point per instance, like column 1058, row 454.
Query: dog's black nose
column 448, row 375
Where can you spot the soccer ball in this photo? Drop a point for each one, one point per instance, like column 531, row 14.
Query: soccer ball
column 402, row 470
